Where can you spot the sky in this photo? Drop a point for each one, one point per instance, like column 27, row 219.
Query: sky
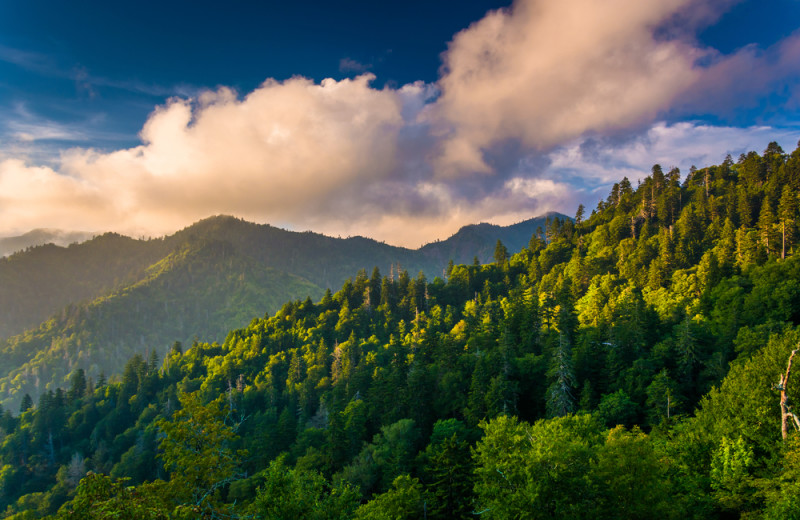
column 400, row 121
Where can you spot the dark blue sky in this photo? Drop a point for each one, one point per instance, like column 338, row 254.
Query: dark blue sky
column 115, row 61
column 81, row 76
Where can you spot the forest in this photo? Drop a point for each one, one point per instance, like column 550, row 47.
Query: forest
column 630, row 362
column 93, row 305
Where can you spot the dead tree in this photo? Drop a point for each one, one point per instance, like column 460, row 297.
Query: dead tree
column 786, row 410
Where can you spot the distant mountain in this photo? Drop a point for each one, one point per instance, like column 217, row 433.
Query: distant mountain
column 195, row 292
column 42, row 280
column 479, row 240
column 38, row 237
column 93, row 305
column 38, row 282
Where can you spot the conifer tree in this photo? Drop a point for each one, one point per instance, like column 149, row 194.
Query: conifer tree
column 766, row 227
column 560, row 395
column 787, row 214
column 500, row 254
column 27, row 404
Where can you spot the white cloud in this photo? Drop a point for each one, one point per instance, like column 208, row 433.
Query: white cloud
column 547, row 72
column 277, row 153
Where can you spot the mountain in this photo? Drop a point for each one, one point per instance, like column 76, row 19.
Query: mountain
column 92, row 305
column 39, row 282
column 479, row 240
column 624, row 366
column 197, row 291
column 38, row 237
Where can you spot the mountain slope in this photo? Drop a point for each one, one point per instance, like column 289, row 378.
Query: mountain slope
column 479, row 240
column 92, row 302
column 39, row 282
column 195, row 292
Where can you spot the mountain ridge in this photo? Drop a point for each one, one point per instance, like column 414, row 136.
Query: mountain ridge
column 43, row 279
column 197, row 284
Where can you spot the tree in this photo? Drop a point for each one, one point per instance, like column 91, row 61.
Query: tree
column 448, row 471
column 787, row 214
column 560, row 398
column 99, row 497
column 766, row 226
column 731, row 480
column 77, row 387
column 662, row 398
column 26, row 404
column 288, row 493
column 786, row 409
column 522, row 468
column 632, row 479
column 617, row 409
column 500, row 254
column 198, row 450
column 405, row 501
column 579, row 215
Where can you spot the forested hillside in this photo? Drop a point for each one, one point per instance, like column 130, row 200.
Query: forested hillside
column 196, row 291
column 624, row 364
column 94, row 305
column 40, row 281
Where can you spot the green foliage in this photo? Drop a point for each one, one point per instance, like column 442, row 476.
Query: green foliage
column 539, row 469
column 730, row 474
column 783, row 492
column 631, row 479
column 617, row 409
column 198, row 451
column 405, row 501
column 99, row 497
column 293, row 493
column 447, row 470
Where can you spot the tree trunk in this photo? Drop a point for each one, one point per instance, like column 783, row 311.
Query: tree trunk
column 786, row 412
column 783, row 233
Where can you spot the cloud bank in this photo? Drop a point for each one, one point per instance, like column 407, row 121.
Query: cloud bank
column 538, row 108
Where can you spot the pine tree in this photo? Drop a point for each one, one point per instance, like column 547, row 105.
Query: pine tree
column 26, row 404
column 500, row 254
column 77, row 387
column 560, row 399
column 787, row 214
column 766, row 227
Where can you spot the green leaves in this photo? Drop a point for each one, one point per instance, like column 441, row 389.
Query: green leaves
column 535, row 471
column 198, row 449
column 294, row 494
column 98, row 497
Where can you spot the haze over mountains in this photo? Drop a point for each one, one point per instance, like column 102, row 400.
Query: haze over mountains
column 38, row 237
column 92, row 305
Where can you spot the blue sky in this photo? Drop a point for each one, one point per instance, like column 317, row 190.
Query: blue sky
column 396, row 120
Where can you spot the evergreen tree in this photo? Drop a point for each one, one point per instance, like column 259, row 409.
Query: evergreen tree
column 560, row 398
column 27, row 404
column 787, row 215
column 766, row 227
column 500, row 254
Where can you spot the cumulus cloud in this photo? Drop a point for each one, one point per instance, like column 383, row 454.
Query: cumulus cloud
column 546, row 72
column 278, row 153
column 539, row 107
